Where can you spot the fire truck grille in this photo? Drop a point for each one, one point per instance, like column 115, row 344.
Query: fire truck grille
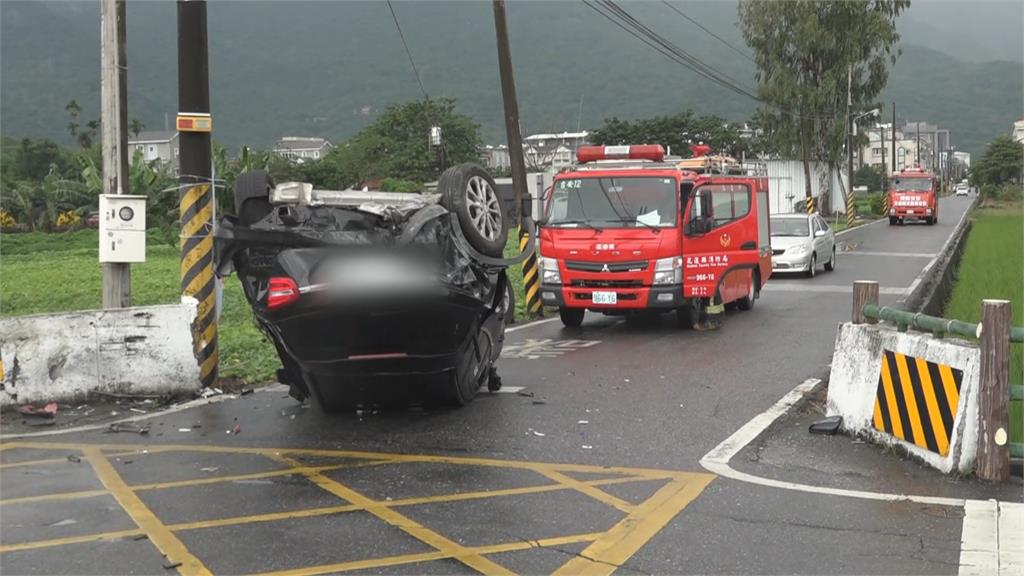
column 637, row 266
column 621, row 297
column 607, row 283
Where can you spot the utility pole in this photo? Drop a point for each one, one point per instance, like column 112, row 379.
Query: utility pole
column 917, row 147
column 893, row 136
column 515, row 153
column 852, row 129
column 117, row 276
column 881, row 127
column 196, row 197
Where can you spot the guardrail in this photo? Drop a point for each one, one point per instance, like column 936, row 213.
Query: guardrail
column 995, row 335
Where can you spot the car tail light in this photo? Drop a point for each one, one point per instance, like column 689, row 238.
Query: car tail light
column 283, row 291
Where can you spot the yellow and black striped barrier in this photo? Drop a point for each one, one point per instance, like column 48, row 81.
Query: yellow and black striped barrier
column 197, row 279
column 851, row 210
column 885, row 203
column 916, row 401
column 531, row 277
column 811, row 205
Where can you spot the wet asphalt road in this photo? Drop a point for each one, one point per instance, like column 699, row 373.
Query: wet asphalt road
column 611, row 394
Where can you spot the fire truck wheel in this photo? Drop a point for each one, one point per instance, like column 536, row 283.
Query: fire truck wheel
column 812, row 268
column 470, row 192
column 252, row 196
column 831, row 264
column 747, row 302
column 571, row 317
column 690, row 316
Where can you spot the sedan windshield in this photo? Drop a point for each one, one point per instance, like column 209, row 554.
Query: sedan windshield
column 912, row 185
column 790, row 227
column 614, row 202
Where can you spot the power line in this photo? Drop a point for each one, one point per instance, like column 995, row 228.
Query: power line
column 415, row 71
column 709, row 32
column 621, row 18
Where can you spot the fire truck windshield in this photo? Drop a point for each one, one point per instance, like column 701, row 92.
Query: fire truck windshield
column 912, row 185
column 614, row 202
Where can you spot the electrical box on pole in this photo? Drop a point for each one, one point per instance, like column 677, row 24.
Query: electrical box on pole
column 122, row 228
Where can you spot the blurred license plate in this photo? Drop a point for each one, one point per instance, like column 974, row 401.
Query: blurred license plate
column 604, row 298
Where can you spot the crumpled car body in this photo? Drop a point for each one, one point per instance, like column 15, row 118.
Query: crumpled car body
column 369, row 296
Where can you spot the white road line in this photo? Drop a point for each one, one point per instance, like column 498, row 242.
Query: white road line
column 717, row 460
column 979, row 539
column 1011, row 539
column 529, row 325
column 893, row 254
column 832, row 288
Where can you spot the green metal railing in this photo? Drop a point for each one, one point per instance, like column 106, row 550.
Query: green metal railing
column 937, row 326
column 941, row 327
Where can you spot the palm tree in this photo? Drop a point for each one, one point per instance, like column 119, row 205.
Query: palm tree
column 136, row 126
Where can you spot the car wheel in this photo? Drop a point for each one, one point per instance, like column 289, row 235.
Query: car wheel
column 571, row 317
column 747, row 302
column 465, row 381
column 469, row 191
column 831, row 264
column 812, row 268
column 690, row 316
column 252, row 196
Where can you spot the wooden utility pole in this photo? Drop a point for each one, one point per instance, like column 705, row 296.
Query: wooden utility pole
column 531, row 279
column 117, row 277
column 994, row 400
column 508, row 96
column 196, row 202
column 864, row 292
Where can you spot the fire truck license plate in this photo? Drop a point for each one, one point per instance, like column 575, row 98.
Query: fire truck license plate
column 605, row 298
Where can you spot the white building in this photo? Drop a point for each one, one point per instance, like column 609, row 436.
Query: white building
column 540, row 151
column 878, row 152
column 302, row 148
column 1018, row 130
column 160, row 145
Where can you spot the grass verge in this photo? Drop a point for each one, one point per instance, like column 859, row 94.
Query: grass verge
column 992, row 266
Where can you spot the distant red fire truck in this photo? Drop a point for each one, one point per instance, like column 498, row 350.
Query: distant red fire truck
column 913, row 194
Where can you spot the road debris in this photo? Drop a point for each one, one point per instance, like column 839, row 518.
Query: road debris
column 587, row 447
column 127, row 427
column 73, row 458
column 184, row 429
column 828, row 426
column 246, row 392
column 237, row 429
column 536, row 433
column 583, row 422
column 138, row 537
column 526, row 393
column 171, row 565
column 210, row 469
column 137, row 411
column 46, row 411
column 65, row 522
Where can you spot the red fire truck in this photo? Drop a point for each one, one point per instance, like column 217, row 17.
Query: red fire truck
column 628, row 231
column 913, row 194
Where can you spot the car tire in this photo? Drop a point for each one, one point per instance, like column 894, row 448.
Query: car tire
column 690, row 315
column 571, row 317
column 812, row 268
column 470, row 192
column 465, row 381
column 831, row 264
column 252, row 196
column 747, row 302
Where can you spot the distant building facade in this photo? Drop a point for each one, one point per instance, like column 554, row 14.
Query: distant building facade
column 1018, row 130
column 540, row 151
column 163, row 146
column 302, row 148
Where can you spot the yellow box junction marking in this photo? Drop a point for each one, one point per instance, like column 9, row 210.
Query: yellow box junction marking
column 916, row 401
column 606, row 551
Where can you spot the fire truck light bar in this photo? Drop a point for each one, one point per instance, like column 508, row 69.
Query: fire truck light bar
column 653, row 152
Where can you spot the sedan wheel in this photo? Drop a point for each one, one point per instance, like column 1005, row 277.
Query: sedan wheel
column 812, row 268
column 831, row 264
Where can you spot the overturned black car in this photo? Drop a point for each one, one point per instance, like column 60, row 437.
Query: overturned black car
column 374, row 296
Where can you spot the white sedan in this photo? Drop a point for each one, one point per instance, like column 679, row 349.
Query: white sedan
column 802, row 242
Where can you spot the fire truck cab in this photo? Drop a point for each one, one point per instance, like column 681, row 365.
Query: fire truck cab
column 913, row 194
column 628, row 231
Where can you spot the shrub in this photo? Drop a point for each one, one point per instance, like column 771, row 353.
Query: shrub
column 878, row 204
column 6, row 220
column 398, row 185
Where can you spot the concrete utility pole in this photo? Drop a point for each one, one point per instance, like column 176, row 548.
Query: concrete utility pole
column 195, row 124
column 852, row 129
column 893, row 136
column 531, row 280
column 117, row 276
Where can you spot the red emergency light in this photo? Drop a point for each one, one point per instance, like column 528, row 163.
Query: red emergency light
column 653, row 152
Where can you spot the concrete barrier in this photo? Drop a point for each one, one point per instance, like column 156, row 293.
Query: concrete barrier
column 64, row 357
column 910, row 390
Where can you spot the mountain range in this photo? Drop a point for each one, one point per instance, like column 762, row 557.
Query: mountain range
column 328, row 68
